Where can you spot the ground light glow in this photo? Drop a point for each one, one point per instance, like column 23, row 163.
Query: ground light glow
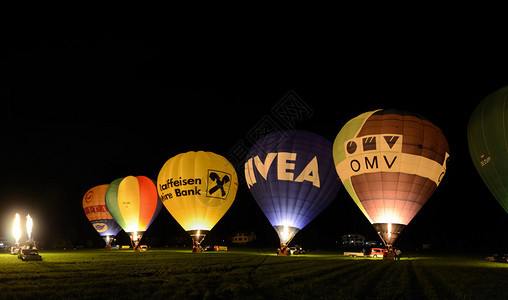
column 16, row 228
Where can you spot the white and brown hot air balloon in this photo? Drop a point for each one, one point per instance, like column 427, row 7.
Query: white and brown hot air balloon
column 390, row 162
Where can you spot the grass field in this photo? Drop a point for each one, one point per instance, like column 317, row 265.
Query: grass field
column 180, row 274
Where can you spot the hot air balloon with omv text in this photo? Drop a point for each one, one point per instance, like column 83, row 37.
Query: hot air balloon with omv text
column 134, row 204
column 94, row 206
column 390, row 162
column 488, row 143
column 197, row 188
column 292, row 177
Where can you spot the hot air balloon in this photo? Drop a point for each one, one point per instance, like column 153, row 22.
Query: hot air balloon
column 292, row 177
column 488, row 146
column 197, row 188
column 133, row 203
column 390, row 162
column 94, row 205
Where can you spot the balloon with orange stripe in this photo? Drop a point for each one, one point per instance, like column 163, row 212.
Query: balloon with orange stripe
column 94, row 205
column 134, row 204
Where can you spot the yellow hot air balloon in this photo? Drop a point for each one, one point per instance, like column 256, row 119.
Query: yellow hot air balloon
column 197, row 188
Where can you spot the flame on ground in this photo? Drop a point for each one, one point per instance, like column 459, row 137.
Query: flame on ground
column 16, row 228
column 29, row 225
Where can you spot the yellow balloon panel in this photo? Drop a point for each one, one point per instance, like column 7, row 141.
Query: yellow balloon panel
column 197, row 188
column 128, row 202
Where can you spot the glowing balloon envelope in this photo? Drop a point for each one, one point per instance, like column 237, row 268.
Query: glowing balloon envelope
column 197, row 188
column 487, row 140
column 133, row 203
column 390, row 162
column 292, row 178
column 94, row 205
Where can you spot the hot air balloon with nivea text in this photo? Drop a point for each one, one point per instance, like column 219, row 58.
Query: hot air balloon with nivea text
column 197, row 188
column 292, row 177
column 488, row 146
column 390, row 162
column 94, row 205
column 134, row 204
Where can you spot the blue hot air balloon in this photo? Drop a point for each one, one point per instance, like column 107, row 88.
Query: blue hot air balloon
column 292, row 176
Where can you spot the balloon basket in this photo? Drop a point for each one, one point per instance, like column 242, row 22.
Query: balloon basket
column 388, row 256
column 135, row 245
column 15, row 250
column 283, row 251
column 30, row 255
column 197, row 238
column 29, row 252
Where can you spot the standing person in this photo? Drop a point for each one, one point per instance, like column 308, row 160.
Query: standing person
column 397, row 254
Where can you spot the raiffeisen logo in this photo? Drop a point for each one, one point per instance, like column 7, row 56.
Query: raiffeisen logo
column 180, row 187
column 285, row 168
column 218, row 184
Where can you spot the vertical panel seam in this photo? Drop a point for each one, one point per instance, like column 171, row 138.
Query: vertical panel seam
column 488, row 150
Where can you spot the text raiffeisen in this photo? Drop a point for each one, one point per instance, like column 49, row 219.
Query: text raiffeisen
column 178, row 192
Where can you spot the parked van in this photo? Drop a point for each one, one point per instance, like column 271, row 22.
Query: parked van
column 377, row 252
column 372, row 252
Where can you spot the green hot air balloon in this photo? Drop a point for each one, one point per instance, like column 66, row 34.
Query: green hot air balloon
column 488, row 143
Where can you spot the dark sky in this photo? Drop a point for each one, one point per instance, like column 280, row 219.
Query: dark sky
column 84, row 110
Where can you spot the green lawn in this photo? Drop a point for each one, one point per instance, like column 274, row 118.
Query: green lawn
column 178, row 274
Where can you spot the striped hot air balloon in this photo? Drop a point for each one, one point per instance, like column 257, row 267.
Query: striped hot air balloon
column 134, row 204
column 94, row 205
column 390, row 162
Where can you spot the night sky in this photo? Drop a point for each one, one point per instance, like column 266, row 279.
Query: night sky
column 82, row 111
